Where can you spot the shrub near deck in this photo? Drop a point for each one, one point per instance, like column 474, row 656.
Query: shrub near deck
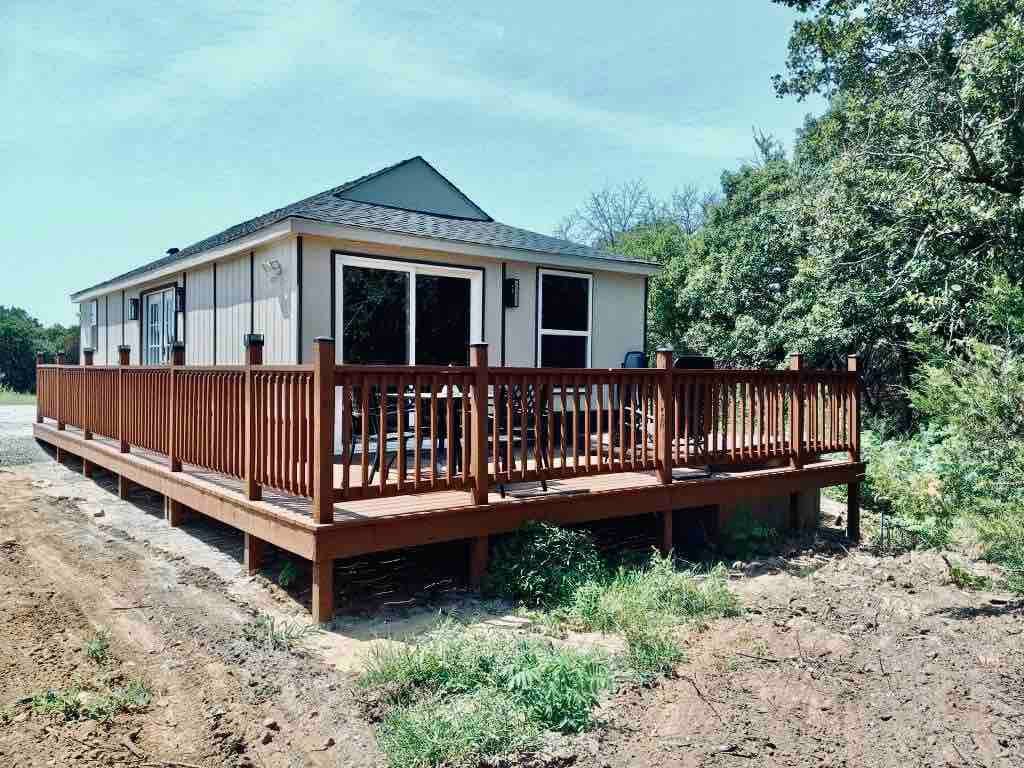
column 460, row 694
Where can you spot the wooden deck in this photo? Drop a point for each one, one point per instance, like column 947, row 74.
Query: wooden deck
column 256, row 453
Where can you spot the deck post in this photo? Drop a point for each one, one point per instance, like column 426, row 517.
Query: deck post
column 253, row 356
column 667, row 540
column 123, row 359
column 323, row 432
column 797, row 405
column 478, row 438
column 254, row 548
column 87, row 468
column 663, row 424
column 478, row 553
column 175, row 512
column 40, row 360
column 323, row 586
column 124, row 486
column 60, row 394
column 88, row 355
column 853, row 365
column 853, row 511
column 174, row 438
column 853, row 489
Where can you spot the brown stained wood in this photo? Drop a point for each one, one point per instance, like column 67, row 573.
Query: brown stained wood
column 433, row 432
column 524, row 434
column 323, row 428
column 449, row 431
column 417, row 401
column 400, row 399
column 323, row 591
column 255, row 548
column 364, row 429
column 479, row 550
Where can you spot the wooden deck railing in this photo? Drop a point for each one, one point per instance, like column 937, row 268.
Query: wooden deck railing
column 331, row 433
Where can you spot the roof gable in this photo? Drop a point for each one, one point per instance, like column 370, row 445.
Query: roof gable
column 414, row 185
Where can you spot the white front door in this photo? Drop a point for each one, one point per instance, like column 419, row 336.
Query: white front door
column 159, row 325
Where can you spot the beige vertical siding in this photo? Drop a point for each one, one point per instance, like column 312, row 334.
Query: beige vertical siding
column 316, row 294
column 618, row 317
column 233, row 309
column 199, row 320
column 112, row 334
column 520, row 323
column 274, row 301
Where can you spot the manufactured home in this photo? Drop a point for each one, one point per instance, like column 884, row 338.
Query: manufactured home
column 383, row 365
column 399, row 266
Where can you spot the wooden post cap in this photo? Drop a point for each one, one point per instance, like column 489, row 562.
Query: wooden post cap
column 178, row 353
column 853, row 362
column 796, row 361
column 40, row 358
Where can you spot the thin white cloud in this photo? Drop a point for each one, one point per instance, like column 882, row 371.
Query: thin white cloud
column 312, row 44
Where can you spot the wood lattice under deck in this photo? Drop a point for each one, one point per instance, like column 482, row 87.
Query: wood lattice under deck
column 333, row 461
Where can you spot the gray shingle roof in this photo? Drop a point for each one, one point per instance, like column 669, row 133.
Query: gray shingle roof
column 328, row 207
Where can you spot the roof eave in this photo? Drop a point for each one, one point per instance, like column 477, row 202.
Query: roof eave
column 297, row 225
column 266, row 234
column 316, row 228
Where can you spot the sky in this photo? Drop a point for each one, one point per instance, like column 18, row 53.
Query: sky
column 145, row 125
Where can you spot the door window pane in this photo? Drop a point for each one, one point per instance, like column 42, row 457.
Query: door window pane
column 565, row 303
column 442, row 320
column 563, row 351
column 375, row 328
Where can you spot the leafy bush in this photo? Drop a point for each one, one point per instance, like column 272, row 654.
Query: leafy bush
column 542, row 565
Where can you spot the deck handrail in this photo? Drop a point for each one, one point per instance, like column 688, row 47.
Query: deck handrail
column 414, row 429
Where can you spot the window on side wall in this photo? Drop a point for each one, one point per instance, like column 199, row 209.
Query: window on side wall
column 563, row 319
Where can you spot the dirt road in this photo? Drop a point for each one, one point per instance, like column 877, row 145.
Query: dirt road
column 840, row 659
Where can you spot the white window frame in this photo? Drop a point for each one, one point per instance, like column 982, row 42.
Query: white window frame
column 542, row 331
column 412, row 268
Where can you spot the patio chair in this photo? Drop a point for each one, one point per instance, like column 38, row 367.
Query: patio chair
column 525, row 405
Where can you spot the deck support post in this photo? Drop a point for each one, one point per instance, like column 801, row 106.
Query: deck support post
column 853, row 366
column 323, row 588
column 797, row 405
column 40, row 360
column 88, row 355
column 88, row 468
column 124, row 486
column 253, row 356
column 323, row 430
column 60, row 395
column 175, row 513
column 254, row 549
column 123, row 359
column 478, row 554
column 665, row 413
column 60, row 454
column 667, row 540
column 478, row 438
column 174, row 438
column 853, row 511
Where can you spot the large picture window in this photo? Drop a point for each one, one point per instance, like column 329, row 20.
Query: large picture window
column 399, row 312
column 563, row 319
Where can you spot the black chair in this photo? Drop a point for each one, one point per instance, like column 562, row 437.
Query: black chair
column 530, row 410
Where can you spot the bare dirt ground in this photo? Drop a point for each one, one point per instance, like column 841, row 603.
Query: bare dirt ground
column 842, row 658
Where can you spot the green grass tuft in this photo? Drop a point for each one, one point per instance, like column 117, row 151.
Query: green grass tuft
column 456, row 731
column 77, row 704
column 268, row 633
column 97, row 648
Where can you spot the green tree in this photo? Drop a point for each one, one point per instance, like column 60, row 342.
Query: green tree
column 21, row 336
